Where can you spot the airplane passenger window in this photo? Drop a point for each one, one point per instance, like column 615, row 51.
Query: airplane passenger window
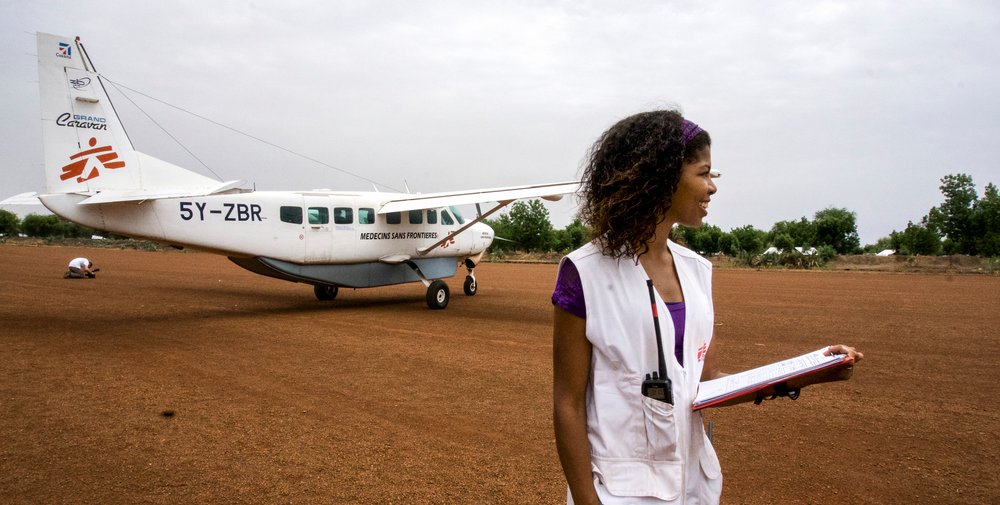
column 319, row 215
column 394, row 218
column 343, row 215
column 291, row 215
column 432, row 216
column 366, row 216
column 446, row 218
column 458, row 215
column 416, row 216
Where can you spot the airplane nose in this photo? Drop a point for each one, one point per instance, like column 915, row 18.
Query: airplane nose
column 482, row 235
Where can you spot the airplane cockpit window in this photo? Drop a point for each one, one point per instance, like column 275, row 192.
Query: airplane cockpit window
column 416, row 216
column 319, row 215
column 394, row 218
column 432, row 216
column 366, row 216
column 291, row 215
column 458, row 215
column 446, row 218
column 343, row 215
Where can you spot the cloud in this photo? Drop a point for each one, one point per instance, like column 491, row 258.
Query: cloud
column 863, row 106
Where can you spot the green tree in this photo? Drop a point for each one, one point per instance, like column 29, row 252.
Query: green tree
column 837, row 228
column 783, row 241
column 527, row 225
column 572, row 236
column 705, row 239
column 802, row 232
column 728, row 244
column 953, row 219
column 918, row 239
column 10, row 225
column 748, row 240
column 502, row 230
column 987, row 218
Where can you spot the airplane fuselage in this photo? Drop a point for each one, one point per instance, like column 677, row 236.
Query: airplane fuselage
column 316, row 227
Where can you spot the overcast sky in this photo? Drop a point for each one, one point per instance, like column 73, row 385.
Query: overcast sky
column 862, row 105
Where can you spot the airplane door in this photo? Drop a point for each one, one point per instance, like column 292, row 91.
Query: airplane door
column 345, row 233
column 317, row 229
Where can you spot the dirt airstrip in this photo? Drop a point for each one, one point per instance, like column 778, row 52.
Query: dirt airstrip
column 181, row 378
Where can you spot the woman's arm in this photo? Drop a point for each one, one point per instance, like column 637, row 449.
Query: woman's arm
column 711, row 371
column 571, row 354
column 711, row 368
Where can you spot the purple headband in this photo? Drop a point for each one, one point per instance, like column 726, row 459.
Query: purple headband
column 690, row 130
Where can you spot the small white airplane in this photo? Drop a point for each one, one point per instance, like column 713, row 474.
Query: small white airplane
column 329, row 239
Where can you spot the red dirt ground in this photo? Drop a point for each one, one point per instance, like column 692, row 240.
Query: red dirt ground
column 373, row 398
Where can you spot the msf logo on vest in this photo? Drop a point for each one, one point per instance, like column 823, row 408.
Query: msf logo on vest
column 104, row 156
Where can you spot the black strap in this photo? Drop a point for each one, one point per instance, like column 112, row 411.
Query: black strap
column 780, row 389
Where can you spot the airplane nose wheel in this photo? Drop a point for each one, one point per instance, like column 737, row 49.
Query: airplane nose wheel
column 438, row 295
column 470, row 285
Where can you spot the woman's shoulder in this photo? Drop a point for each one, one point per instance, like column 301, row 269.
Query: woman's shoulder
column 684, row 252
column 587, row 252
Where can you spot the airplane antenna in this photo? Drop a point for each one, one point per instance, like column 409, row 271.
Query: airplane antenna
column 276, row 146
column 407, row 186
column 165, row 131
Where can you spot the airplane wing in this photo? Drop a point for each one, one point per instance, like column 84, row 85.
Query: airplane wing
column 503, row 197
column 29, row 198
column 551, row 191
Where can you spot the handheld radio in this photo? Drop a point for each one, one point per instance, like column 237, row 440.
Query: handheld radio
column 657, row 385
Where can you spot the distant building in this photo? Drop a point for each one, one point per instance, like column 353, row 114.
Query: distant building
column 808, row 251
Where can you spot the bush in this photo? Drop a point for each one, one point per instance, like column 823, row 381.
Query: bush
column 51, row 225
column 825, row 254
column 10, row 225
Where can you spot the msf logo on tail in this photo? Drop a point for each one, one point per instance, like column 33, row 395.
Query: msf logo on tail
column 65, row 50
column 105, row 155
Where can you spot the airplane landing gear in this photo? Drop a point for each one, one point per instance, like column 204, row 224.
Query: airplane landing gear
column 325, row 291
column 470, row 287
column 438, row 295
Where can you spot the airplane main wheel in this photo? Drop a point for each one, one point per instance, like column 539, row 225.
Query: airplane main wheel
column 470, row 285
column 438, row 295
column 325, row 291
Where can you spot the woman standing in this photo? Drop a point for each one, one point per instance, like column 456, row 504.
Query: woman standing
column 647, row 173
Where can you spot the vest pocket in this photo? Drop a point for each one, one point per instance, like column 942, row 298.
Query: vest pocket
column 661, row 430
column 640, row 478
column 710, row 461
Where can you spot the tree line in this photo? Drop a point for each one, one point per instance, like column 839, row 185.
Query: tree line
column 964, row 223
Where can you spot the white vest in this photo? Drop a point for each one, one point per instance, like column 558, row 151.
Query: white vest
column 642, row 447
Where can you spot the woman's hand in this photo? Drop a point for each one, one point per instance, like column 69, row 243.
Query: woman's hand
column 844, row 349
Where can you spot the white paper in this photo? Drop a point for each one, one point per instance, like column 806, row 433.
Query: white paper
column 733, row 385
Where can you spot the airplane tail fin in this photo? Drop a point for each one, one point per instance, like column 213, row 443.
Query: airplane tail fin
column 86, row 147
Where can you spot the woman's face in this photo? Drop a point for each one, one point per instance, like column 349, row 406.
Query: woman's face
column 689, row 205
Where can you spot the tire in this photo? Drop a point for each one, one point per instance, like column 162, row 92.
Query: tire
column 470, row 286
column 325, row 292
column 438, row 295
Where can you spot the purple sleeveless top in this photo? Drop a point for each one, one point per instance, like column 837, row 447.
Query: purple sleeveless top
column 568, row 295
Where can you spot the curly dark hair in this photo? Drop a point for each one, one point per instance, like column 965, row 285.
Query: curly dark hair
column 632, row 172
